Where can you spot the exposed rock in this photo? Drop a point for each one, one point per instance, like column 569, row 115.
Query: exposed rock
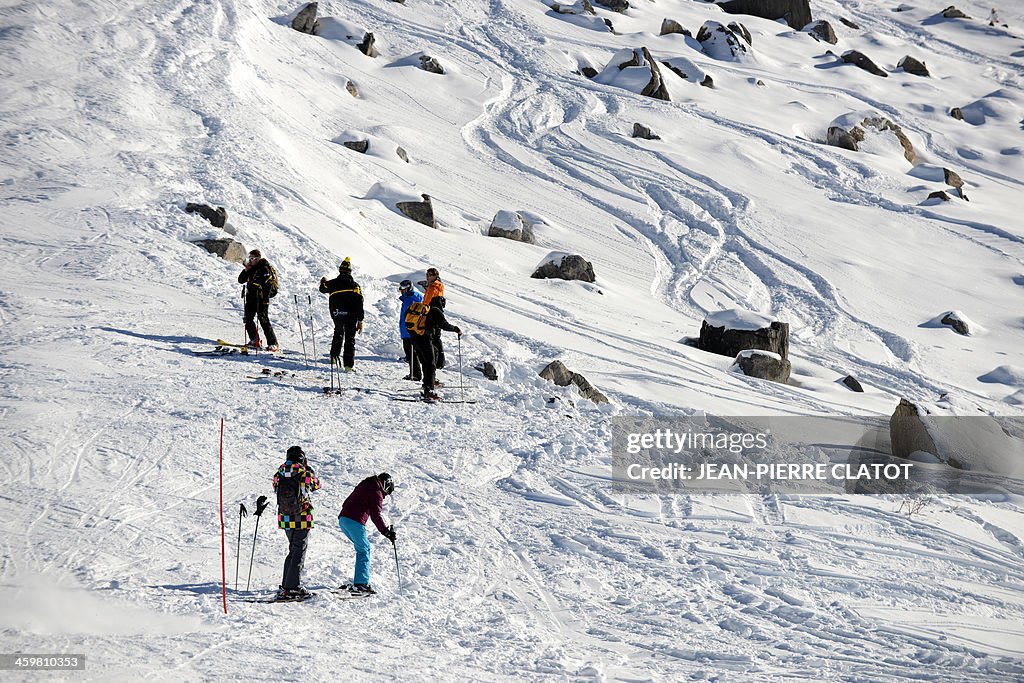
column 654, row 88
column 614, row 5
column 722, row 42
column 488, row 370
column 822, row 30
column 430, row 64
column 642, row 131
column 588, row 71
column 760, row 83
column 421, row 212
column 956, row 113
column 570, row 267
column 954, row 320
column 850, row 23
column 401, row 154
column 797, row 13
column 913, row 66
column 672, row 26
column 741, row 30
column 907, row 433
column 218, row 217
column 764, row 365
column 939, row 194
column 952, row 178
column 579, row 7
column 562, row 376
column 852, row 384
column 709, row 82
column 846, row 133
column 952, row 12
column 511, row 225
column 366, row 47
column 352, row 89
column 227, row 248
column 729, row 332
column 357, row 145
column 305, row 20
column 861, row 60
column 627, row 69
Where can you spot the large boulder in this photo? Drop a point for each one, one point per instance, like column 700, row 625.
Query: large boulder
column 672, row 26
column 357, row 145
column 952, row 12
column 227, row 248
column 556, row 372
column 305, row 20
column 913, row 66
column 763, row 365
column 421, row 212
column 797, row 13
column 859, row 59
column 218, row 217
column 734, row 330
column 727, row 43
column 565, row 267
column 614, row 5
column 822, row 30
column 642, row 131
column 635, row 70
column 869, row 132
column 511, row 225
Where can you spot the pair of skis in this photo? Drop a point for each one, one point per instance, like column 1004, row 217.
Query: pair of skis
column 341, row 593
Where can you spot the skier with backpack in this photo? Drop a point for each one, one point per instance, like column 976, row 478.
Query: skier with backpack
column 260, row 280
column 408, row 296
column 423, row 322
column 293, row 480
column 346, row 305
column 365, row 502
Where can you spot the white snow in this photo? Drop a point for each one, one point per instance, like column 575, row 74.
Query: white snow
column 738, row 319
column 519, row 558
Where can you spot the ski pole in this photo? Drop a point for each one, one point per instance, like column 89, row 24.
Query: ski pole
column 261, row 505
column 242, row 512
column 398, row 572
column 302, row 336
column 312, row 334
column 245, row 332
column 462, row 388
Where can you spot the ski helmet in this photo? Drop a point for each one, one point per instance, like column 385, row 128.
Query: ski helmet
column 296, row 454
column 386, row 483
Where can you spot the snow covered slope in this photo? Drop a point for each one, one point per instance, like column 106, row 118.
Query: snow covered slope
column 519, row 559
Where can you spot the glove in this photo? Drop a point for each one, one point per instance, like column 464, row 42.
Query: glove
column 390, row 535
column 359, row 326
column 458, row 331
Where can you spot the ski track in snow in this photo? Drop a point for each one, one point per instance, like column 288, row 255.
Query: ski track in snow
column 519, row 559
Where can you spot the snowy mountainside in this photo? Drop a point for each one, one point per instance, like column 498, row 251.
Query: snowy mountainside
column 519, row 559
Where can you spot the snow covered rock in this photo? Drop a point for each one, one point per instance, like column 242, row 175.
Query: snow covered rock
column 999, row 105
column 488, row 370
column 763, row 365
column 689, row 70
column 579, row 7
column 511, row 225
column 642, row 131
column 731, row 331
column 862, row 61
column 672, row 26
column 614, row 5
column 939, row 174
column 428, row 63
column 421, row 212
column 227, row 248
column 957, row 321
column 331, row 28
column 913, row 66
column 822, row 30
column 726, row 43
column 218, row 217
column 956, row 435
column 562, row 376
column 869, row 132
column 797, row 13
column 635, row 70
column 305, row 20
column 565, row 267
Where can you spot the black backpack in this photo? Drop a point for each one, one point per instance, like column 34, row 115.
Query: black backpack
column 289, row 496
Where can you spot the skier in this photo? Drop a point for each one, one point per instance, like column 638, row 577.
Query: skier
column 260, row 280
column 435, row 288
column 423, row 343
column 408, row 296
column 292, row 481
column 365, row 501
column 346, row 304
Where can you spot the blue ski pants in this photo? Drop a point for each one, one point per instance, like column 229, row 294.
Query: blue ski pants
column 356, row 533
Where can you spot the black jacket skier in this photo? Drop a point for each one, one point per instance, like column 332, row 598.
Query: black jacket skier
column 424, row 343
column 260, row 284
column 346, row 305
